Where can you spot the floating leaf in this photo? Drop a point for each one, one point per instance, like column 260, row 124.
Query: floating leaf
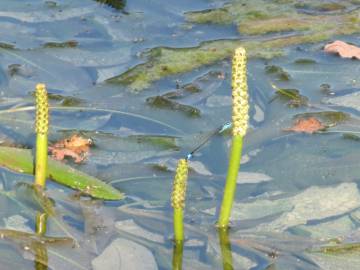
column 344, row 49
column 21, row 160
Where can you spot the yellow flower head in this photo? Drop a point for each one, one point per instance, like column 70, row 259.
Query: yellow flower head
column 179, row 185
column 42, row 109
column 240, row 114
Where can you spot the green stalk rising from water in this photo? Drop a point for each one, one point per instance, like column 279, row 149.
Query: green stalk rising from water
column 240, row 117
column 41, row 127
column 178, row 199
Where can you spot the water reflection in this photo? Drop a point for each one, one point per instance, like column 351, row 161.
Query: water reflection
column 41, row 255
column 225, row 246
column 177, row 255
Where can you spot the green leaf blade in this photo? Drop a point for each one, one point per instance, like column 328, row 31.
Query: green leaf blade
column 21, row 160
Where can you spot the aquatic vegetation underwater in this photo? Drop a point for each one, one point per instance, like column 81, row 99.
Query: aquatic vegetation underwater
column 145, row 84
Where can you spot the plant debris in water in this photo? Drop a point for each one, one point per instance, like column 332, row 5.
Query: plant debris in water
column 328, row 118
column 304, row 61
column 75, row 147
column 116, row 4
column 340, row 248
column 344, row 49
column 66, row 101
column 65, row 44
column 307, row 125
column 291, row 96
column 280, row 74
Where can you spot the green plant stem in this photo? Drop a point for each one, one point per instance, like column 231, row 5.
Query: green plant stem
column 41, row 159
column 177, row 256
column 225, row 246
column 230, row 186
column 178, row 225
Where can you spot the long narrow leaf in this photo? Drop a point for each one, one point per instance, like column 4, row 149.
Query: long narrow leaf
column 21, row 160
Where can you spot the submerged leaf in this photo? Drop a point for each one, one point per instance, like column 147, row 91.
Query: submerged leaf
column 291, row 96
column 314, row 203
column 125, row 254
column 304, row 61
column 35, row 194
column 65, row 100
column 279, row 72
column 116, row 4
column 26, row 238
column 165, row 103
column 21, row 160
column 340, row 248
column 65, row 44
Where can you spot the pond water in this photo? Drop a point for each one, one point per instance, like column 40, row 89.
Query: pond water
column 148, row 81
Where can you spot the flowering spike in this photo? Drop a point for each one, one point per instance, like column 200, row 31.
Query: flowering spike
column 42, row 109
column 240, row 114
column 179, row 186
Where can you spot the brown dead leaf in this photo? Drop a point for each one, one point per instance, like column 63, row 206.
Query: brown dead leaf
column 307, row 125
column 345, row 50
column 75, row 147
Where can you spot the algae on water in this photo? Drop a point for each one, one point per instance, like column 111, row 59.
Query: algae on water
column 296, row 21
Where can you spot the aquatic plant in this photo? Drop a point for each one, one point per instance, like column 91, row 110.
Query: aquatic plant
column 21, row 160
column 41, row 127
column 240, row 117
column 178, row 199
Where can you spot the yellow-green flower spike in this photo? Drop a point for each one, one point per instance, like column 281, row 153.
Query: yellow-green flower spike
column 240, row 113
column 42, row 109
column 179, row 185
column 41, row 127
column 240, row 118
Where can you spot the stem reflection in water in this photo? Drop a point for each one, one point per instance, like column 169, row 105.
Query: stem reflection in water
column 177, row 255
column 225, row 248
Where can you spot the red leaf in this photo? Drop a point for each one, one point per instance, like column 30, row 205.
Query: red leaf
column 343, row 49
column 307, row 125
